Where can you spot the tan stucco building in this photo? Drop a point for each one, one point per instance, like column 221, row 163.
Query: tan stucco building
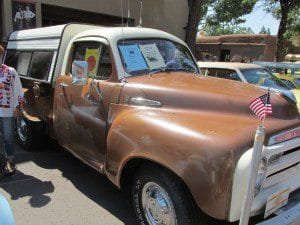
column 237, row 47
column 167, row 15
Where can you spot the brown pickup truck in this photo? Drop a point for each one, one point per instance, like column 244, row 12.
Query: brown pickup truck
column 130, row 103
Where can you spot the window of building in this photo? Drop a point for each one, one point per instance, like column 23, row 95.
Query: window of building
column 225, row 56
column 40, row 65
column 97, row 56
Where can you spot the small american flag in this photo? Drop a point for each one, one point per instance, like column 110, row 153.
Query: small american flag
column 261, row 106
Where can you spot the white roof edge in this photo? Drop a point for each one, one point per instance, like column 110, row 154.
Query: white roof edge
column 112, row 33
column 44, row 32
column 117, row 33
column 227, row 65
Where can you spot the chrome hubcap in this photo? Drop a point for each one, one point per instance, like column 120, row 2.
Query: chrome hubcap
column 157, row 205
column 22, row 129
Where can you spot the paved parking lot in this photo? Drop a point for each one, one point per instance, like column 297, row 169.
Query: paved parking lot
column 53, row 187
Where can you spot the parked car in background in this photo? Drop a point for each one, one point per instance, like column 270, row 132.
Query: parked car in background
column 292, row 58
column 130, row 103
column 252, row 74
column 288, row 72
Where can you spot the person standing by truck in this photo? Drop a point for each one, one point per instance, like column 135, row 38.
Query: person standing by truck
column 11, row 96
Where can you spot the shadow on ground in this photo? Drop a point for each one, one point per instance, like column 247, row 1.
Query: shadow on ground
column 88, row 181
column 29, row 186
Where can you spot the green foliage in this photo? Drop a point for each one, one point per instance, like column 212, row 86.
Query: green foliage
column 223, row 29
column 231, row 11
column 293, row 24
column 226, row 17
column 293, row 15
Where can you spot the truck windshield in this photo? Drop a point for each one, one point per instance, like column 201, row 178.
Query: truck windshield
column 140, row 56
column 263, row 78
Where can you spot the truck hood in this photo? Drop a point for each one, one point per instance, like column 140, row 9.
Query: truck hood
column 189, row 91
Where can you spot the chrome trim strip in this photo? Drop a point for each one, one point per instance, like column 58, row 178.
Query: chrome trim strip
column 283, row 162
column 282, row 176
column 145, row 102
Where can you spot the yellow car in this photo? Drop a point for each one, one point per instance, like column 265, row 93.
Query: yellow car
column 288, row 72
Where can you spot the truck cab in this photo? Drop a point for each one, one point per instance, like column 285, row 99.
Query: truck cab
column 130, row 102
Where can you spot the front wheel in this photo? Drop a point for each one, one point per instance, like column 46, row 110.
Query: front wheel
column 159, row 197
column 29, row 134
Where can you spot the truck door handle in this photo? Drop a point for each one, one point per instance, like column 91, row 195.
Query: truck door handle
column 63, row 85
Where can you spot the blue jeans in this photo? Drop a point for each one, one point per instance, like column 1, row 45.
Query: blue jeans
column 7, row 136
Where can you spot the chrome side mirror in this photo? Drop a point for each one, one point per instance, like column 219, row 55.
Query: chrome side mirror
column 79, row 72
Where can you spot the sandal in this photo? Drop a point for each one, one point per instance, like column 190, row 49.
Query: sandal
column 10, row 169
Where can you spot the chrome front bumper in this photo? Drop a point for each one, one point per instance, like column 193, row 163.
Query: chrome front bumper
column 281, row 174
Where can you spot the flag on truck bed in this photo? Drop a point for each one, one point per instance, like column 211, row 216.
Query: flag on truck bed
column 261, row 106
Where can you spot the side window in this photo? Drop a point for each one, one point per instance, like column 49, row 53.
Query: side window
column 23, row 63
column 88, row 51
column 11, row 58
column 224, row 73
column 96, row 55
column 40, row 65
column 105, row 67
column 203, row 71
column 211, row 72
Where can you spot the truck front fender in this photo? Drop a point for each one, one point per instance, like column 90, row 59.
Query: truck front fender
column 204, row 159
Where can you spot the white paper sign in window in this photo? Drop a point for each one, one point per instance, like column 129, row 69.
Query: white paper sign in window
column 152, row 56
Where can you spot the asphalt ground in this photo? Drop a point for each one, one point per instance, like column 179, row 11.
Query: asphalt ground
column 53, row 187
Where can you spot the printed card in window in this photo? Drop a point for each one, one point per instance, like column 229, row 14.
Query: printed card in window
column 152, row 56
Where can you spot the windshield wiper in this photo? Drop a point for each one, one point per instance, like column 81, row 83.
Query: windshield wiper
column 187, row 70
column 163, row 69
column 168, row 69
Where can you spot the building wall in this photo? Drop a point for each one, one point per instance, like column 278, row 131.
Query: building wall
column 260, row 47
column 159, row 14
column 237, row 52
column 270, row 50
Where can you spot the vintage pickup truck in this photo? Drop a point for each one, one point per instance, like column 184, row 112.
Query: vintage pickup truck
column 130, row 103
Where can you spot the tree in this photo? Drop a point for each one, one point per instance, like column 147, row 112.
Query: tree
column 293, row 25
column 197, row 10
column 223, row 29
column 288, row 13
column 263, row 30
column 227, row 17
column 231, row 11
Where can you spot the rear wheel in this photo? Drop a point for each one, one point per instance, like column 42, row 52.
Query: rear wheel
column 159, row 197
column 30, row 135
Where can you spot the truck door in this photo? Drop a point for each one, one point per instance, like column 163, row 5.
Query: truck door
column 80, row 111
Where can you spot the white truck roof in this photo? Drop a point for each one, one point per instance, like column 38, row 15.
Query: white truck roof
column 44, row 38
column 58, row 39
column 45, row 32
